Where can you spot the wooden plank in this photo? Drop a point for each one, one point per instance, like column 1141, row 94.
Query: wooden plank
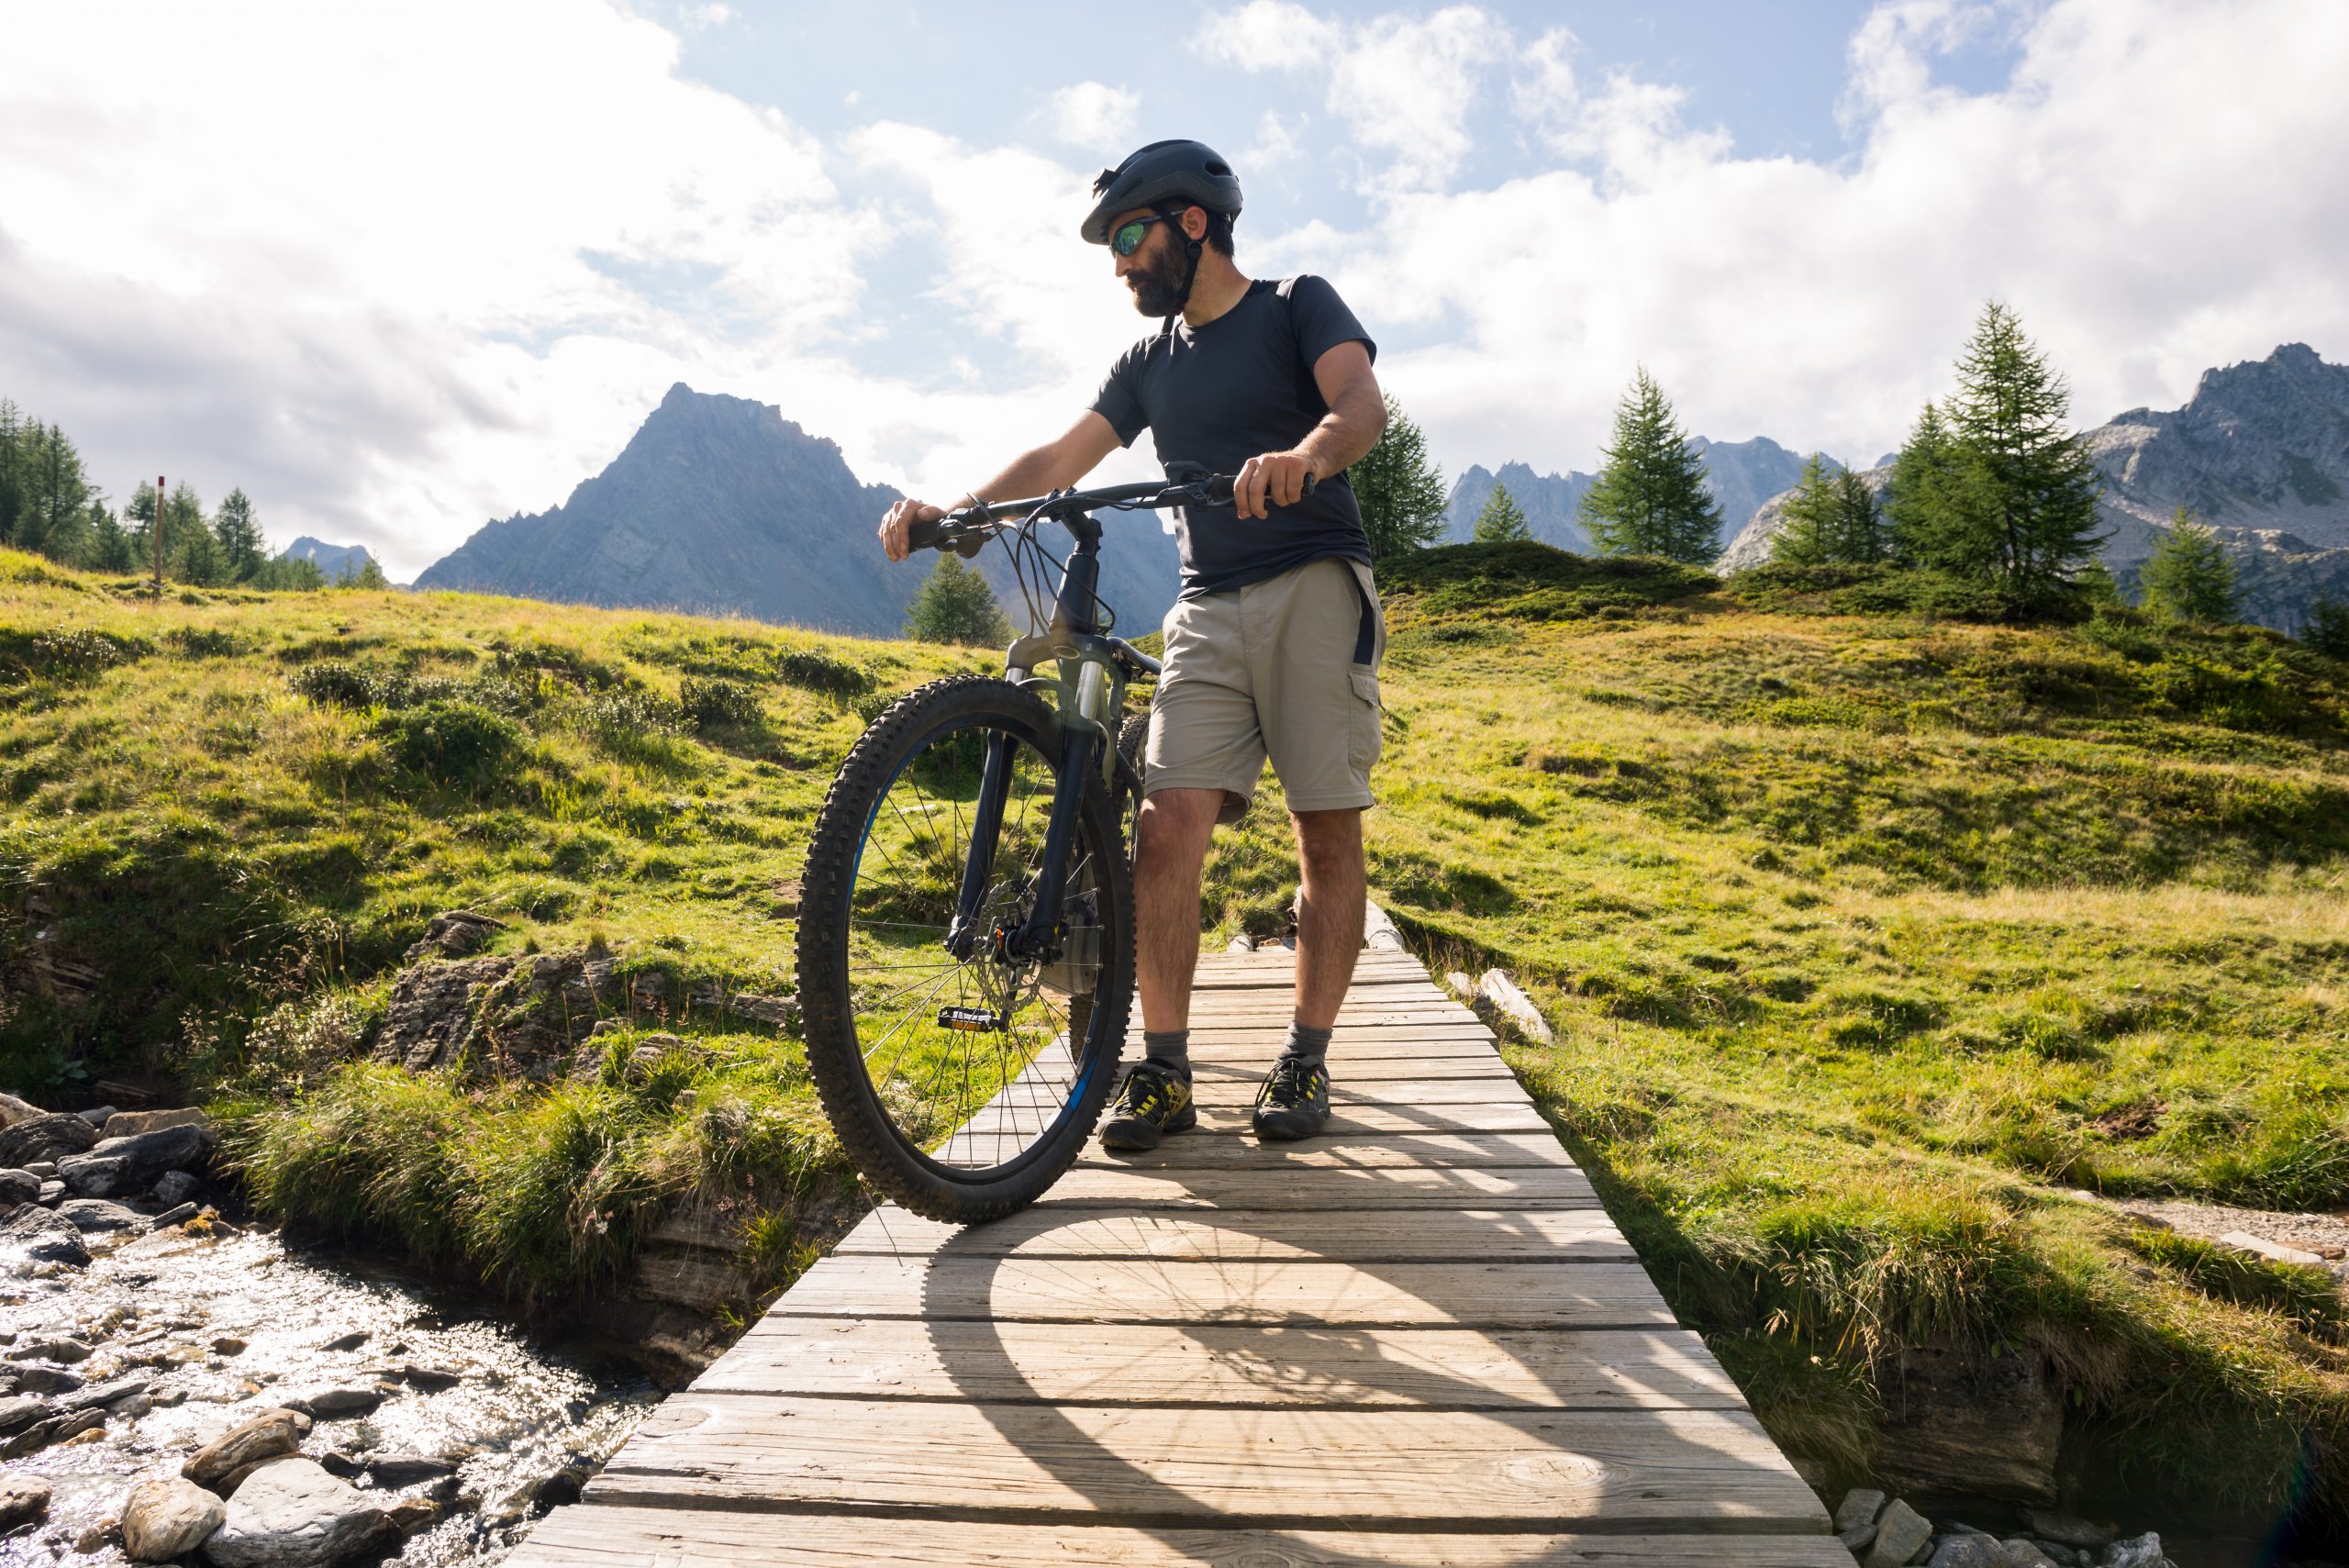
column 1350, row 1236
column 1130, row 1290
column 1532, row 1187
column 1224, row 1363
column 1485, row 1065
column 1239, row 1088
column 1259, row 1050
column 1669, row 1470
column 1230, row 1116
column 599, row 1535
column 1228, row 1152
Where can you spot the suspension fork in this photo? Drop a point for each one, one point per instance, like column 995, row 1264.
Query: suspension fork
column 1082, row 732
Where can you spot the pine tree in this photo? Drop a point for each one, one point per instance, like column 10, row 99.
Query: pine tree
column 1808, row 537
column 1399, row 491
column 238, row 535
column 1918, row 500
column 56, row 492
column 189, row 553
column 956, row 605
column 1500, row 521
column 108, row 549
column 2021, row 511
column 12, row 463
column 2327, row 628
column 1650, row 498
column 2190, row 577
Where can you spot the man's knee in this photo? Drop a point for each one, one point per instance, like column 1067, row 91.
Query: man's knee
column 1329, row 840
column 1175, row 825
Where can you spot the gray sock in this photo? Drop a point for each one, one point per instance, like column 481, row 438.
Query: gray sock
column 1307, row 1044
column 1171, row 1047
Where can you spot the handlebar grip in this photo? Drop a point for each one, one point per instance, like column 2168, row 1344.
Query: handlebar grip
column 923, row 533
column 1219, row 487
column 1308, row 487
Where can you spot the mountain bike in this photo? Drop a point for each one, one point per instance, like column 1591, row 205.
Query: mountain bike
column 966, row 918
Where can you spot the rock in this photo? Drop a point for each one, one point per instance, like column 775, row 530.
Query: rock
column 96, row 1117
column 41, row 1236
column 268, row 1435
column 1860, row 1507
column 455, row 933
column 86, row 1437
column 561, row 1488
column 96, row 1537
column 105, row 1394
column 350, row 1342
column 66, row 1350
column 2274, row 1251
column 408, row 1469
column 45, row 1169
column 2068, row 1529
column 168, row 1518
column 23, row 1500
column 130, row 1124
column 228, row 1345
column 1968, row 1550
column 14, row 1110
column 2024, row 1553
column 1958, row 1420
column 410, row 1515
column 1899, row 1533
column 176, row 1187
column 416, row 1374
column 342, row 1466
column 1857, row 1539
column 130, row 1407
column 2138, row 1552
column 94, row 1175
column 47, row 1380
column 335, row 1402
column 49, row 1136
column 148, row 1155
column 18, row 1186
column 95, row 1214
column 20, row 1412
column 291, row 1514
column 53, row 1192
column 178, row 1216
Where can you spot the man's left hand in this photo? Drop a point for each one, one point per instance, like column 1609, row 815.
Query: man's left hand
column 1273, row 479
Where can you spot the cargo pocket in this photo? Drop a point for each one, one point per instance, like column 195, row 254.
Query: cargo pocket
column 1364, row 741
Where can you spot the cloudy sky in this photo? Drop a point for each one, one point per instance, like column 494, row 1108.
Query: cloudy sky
column 397, row 271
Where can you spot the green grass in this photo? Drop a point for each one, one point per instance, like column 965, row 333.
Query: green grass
column 1867, row 932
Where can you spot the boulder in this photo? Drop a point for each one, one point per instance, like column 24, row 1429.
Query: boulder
column 410, row 1515
column 14, row 1110
column 2069, row 1530
column 22, row 1500
column 96, row 1117
column 1967, row 1550
column 18, row 1186
column 176, row 1187
column 49, row 1136
column 107, row 1394
column 408, row 1469
column 335, row 1402
column 168, row 1518
column 147, row 1155
column 350, row 1342
column 94, row 1175
column 180, row 1215
column 47, row 1380
column 1959, row 1420
column 2024, row 1553
column 92, row 1213
column 129, row 1124
column 42, row 1236
column 1860, row 1507
column 2138, row 1552
column 1899, row 1533
column 455, row 933
column 53, row 1192
column 269, row 1435
column 19, row 1412
column 291, row 1514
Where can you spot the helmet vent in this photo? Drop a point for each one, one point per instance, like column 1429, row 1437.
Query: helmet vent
column 1218, row 167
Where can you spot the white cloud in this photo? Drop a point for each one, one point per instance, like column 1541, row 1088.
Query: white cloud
column 2146, row 192
column 1404, row 84
column 700, row 17
column 1093, row 117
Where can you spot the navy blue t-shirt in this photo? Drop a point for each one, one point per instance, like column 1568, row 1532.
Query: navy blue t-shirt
column 1221, row 394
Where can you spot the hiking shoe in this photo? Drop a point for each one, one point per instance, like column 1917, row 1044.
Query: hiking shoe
column 1295, row 1100
column 1153, row 1101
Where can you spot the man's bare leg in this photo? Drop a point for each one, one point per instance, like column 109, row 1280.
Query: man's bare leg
column 1330, row 912
column 1170, row 845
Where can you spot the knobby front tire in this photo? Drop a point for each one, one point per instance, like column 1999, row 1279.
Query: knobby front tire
column 959, row 1124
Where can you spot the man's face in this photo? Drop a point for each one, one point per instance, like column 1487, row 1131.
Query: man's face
column 1154, row 272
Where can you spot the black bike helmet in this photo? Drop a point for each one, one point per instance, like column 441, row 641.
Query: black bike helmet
column 1165, row 174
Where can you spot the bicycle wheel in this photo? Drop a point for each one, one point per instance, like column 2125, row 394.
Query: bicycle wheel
column 961, row 1087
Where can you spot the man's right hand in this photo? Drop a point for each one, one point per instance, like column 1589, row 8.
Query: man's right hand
column 899, row 522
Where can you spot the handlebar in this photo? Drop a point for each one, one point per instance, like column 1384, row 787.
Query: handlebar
column 967, row 528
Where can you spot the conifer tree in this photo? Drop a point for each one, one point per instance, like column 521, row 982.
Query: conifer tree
column 238, row 535
column 2190, row 577
column 2021, row 510
column 1921, row 494
column 108, row 547
column 1650, row 497
column 12, row 460
column 1500, row 521
column 956, row 605
column 1809, row 535
column 1399, row 490
column 2327, row 626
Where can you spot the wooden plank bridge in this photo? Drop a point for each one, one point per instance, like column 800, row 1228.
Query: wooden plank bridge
column 1416, row 1339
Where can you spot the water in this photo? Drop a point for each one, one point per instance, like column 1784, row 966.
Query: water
column 519, row 1412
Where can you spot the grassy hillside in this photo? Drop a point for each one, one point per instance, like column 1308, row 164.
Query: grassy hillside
column 1866, row 936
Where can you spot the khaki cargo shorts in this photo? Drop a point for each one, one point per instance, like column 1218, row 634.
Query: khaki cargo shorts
column 1286, row 669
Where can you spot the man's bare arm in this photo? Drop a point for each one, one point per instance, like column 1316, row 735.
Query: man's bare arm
column 1357, row 415
column 1055, row 465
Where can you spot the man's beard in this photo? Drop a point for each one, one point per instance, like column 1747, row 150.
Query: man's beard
column 1158, row 282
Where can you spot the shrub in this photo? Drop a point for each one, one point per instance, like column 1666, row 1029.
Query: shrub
column 56, row 652
column 337, row 682
column 818, row 672
column 717, row 703
column 625, row 716
column 204, row 642
column 460, row 744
